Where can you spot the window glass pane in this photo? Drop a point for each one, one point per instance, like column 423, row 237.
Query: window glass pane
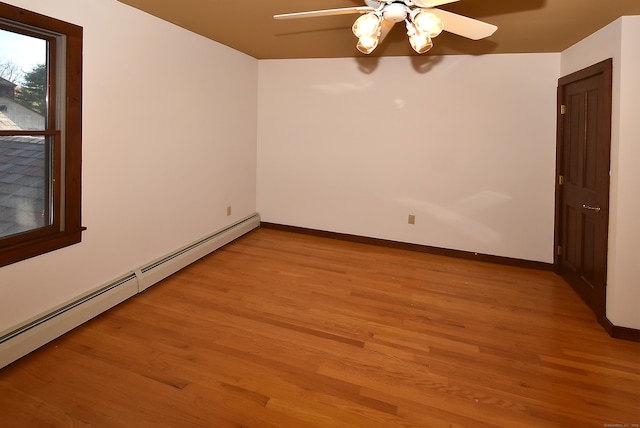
column 23, row 81
column 25, row 184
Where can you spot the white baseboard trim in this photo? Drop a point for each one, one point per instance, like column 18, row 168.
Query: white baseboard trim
column 33, row 334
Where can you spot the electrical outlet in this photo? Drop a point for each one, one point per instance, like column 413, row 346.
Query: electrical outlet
column 228, row 210
column 412, row 219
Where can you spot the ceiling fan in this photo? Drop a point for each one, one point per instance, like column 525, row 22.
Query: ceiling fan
column 423, row 22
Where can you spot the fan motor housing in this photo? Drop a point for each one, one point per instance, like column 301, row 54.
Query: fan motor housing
column 395, row 12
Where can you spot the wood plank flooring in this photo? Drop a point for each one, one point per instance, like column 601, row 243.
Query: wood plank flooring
column 288, row 330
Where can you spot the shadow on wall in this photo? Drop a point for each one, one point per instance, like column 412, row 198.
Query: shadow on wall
column 421, row 64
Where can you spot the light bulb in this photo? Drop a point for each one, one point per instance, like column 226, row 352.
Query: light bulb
column 428, row 23
column 366, row 25
column 367, row 44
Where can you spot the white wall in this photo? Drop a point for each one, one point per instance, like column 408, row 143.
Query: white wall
column 464, row 143
column 619, row 41
column 467, row 144
column 169, row 135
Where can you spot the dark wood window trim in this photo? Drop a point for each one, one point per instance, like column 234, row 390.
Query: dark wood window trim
column 65, row 133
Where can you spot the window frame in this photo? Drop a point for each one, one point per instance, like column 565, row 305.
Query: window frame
column 63, row 128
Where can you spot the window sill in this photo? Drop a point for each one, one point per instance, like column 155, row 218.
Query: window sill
column 36, row 247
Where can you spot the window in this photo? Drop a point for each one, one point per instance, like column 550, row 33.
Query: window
column 40, row 134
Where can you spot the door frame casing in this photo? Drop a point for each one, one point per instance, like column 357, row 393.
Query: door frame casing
column 606, row 69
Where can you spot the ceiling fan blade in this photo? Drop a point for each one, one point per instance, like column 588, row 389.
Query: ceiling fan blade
column 326, row 12
column 432, row 3
column 463, row 26
column 385, row 27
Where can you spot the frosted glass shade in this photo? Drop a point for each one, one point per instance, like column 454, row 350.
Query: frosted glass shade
column 367, row 25
column 367, row 44
column 420, row 42
column 428, row 23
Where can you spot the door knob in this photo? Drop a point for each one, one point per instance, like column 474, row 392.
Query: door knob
column 587, row 207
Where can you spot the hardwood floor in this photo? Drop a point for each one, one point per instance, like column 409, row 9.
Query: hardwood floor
column 288, row 330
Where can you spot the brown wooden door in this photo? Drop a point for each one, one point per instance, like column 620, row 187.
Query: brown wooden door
column 582, row 192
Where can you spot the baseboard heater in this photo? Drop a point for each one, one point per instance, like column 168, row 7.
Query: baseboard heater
column 37, row 332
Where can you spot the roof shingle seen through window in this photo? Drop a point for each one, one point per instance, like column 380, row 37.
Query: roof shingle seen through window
column 22, row 184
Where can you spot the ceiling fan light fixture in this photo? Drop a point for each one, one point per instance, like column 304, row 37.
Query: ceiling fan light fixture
column 423, row 18
column 427, row 22
column 366, row 25
column 367, row 44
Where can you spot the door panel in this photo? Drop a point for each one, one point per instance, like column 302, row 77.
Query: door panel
column 582, row 194
column 589, row 267
column 591, row 142
column 571, row 245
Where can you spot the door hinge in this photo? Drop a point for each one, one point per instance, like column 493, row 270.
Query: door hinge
column 563, row 109
column 559, row 250
column 561, row 180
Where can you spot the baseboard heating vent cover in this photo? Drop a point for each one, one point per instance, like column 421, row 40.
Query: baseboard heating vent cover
column 21, row 340
column 43, row 329
column 171, row 263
